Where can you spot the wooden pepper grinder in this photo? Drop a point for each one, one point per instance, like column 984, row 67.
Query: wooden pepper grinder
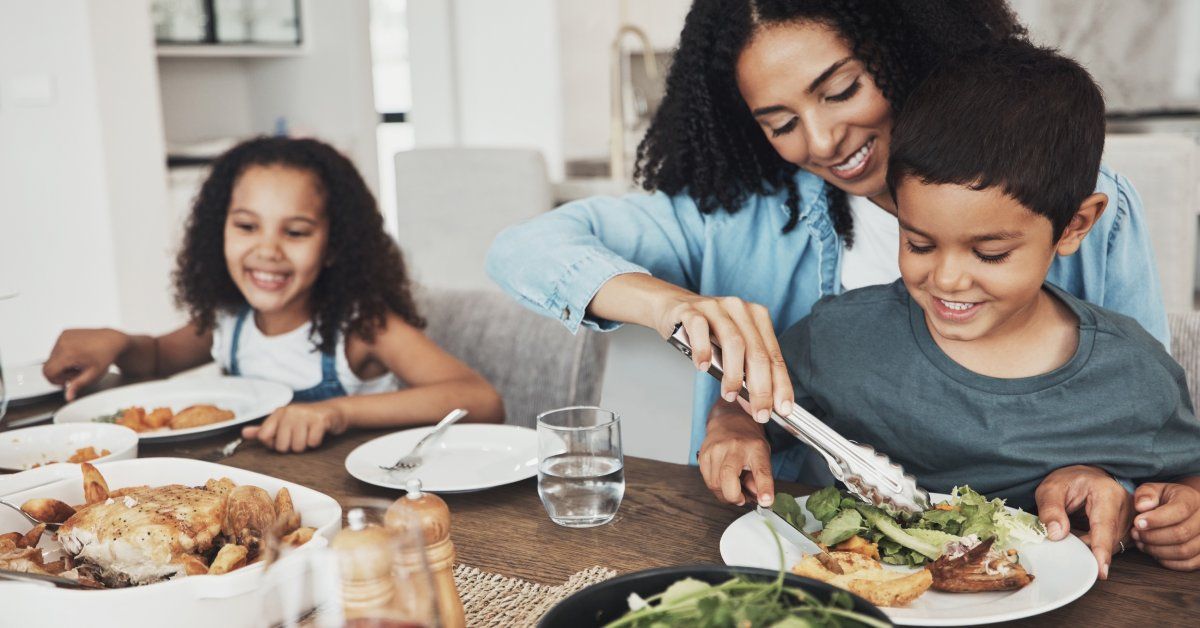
column 431, row 513
column 368, row 589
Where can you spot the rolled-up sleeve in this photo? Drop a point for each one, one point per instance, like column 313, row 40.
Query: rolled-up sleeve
column 555, row 263
column 1131, row 284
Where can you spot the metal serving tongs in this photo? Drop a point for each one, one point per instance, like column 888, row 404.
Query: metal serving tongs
column 865, row 472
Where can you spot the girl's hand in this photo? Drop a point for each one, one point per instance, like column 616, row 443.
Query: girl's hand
column 298, row 426
column 1108, row 506
column 1167, row 526
column 735, row 458
column 748, row 344
column 82, row 356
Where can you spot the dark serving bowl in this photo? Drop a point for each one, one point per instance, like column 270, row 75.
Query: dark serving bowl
column 606, row 601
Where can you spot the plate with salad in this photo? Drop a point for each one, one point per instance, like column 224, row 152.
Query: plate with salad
column 980, row 561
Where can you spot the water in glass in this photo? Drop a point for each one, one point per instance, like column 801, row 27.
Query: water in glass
column 581, row 471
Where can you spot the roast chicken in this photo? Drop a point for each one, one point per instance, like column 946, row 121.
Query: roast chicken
column 145, row 534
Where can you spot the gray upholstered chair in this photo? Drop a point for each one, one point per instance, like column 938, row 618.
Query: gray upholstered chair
column 1185, row 348
column 534, row 362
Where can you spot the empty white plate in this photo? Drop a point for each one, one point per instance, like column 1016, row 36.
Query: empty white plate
column 468, row 457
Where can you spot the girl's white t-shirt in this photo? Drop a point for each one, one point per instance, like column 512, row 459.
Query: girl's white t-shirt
column 290, row 358
column 873, row 260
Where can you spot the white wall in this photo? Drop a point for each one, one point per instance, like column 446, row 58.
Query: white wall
column 81, row 223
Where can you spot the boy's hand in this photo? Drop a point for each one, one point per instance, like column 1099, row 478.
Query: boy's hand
column 82, row 356
column 1108, row 506
column 1167, row 526
column 735, row 443
column 298, row 426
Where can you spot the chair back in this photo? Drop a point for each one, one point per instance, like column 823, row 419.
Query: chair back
column 451, row 203
column 534, row 362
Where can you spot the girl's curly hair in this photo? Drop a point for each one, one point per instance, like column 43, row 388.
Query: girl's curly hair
column 364, row 276
column 703, row 139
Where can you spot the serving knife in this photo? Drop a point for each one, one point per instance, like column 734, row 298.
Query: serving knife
column 789, row 532
column 44, row 579
column 867, row 473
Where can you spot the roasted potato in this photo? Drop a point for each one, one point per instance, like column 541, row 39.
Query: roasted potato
column 229, row 558
column 32, row 537
column 133, row 418
column 299, row 536
column 194, row 416
column 159, row 417
column 95, row 489
column 285, row 513
column 249, row 514
column 8, row 540
column 192, row 565
column 48, row 510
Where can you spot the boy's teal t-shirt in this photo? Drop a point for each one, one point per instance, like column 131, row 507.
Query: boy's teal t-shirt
column 866, row 364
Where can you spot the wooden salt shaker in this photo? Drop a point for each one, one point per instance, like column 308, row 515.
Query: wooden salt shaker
column 368, row 589
column 432, row 514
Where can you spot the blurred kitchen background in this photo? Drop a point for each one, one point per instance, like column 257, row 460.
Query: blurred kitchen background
column 463, row 115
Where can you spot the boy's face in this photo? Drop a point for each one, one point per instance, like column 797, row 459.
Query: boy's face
column 974, row 260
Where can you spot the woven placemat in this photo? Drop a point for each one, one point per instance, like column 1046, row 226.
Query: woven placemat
column 494, row 600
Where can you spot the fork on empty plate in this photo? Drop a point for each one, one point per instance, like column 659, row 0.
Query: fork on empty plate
column 413, row 459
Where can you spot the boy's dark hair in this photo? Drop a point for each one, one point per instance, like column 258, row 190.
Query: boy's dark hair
column 364, row 276
column 705, row 142
column 1019, row 117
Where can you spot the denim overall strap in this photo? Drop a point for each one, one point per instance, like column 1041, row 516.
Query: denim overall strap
column 329, row 387
column 233, row 346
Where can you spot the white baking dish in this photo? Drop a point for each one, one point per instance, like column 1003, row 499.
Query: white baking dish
column 225, row 601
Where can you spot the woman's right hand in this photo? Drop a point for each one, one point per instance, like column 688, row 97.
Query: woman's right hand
column 82, row 356
column 735, row 458
column 749, row 348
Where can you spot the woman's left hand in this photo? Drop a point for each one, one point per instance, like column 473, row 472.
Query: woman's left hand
column 298, row 426
column 1167, row 526
column 1109, row 508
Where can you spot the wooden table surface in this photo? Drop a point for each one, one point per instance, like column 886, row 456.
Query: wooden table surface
column 668, row 517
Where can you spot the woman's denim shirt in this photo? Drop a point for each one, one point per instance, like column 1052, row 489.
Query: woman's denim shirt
column 555, row 263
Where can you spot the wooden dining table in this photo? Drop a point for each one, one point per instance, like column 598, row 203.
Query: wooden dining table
column 668, row 517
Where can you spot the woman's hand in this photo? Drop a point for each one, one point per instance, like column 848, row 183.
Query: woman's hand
column 298, row 426
column 748, row 344
column 743, row 329
column 82, row 356
column 1109, row 508
column 1167, row 526
column 735, row 458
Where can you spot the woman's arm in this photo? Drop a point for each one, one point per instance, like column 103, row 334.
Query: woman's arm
column 82, row 356
column 637, row 259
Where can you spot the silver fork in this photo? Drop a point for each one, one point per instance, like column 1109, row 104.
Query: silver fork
column 413, row 459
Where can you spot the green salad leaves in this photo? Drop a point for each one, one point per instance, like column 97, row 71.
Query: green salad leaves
column 914, row 540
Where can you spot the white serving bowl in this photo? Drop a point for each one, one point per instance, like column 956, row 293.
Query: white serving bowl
column 45, row 444
column 229, row 600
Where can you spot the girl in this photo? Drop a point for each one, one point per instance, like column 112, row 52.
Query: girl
column 287, row 275
column 767, row 159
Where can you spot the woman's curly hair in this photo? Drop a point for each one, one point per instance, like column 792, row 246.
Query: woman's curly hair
column 705, row 142
column 364, row 276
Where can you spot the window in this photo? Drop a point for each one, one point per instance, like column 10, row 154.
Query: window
column 393, row 95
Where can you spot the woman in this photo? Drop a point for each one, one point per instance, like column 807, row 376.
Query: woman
column 767, row 161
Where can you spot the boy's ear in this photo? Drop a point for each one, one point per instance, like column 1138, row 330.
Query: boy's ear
column 1081, row 223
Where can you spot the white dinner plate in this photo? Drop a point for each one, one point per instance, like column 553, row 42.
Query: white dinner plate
column 47, row 444
column 1063, row 571
column 232, row 600
column 25, row 384
column 247, row 398
column 468, row 457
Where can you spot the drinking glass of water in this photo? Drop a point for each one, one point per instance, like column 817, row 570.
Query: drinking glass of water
column 581, row 471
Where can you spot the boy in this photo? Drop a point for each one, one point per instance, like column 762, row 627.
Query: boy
column 971, row 369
